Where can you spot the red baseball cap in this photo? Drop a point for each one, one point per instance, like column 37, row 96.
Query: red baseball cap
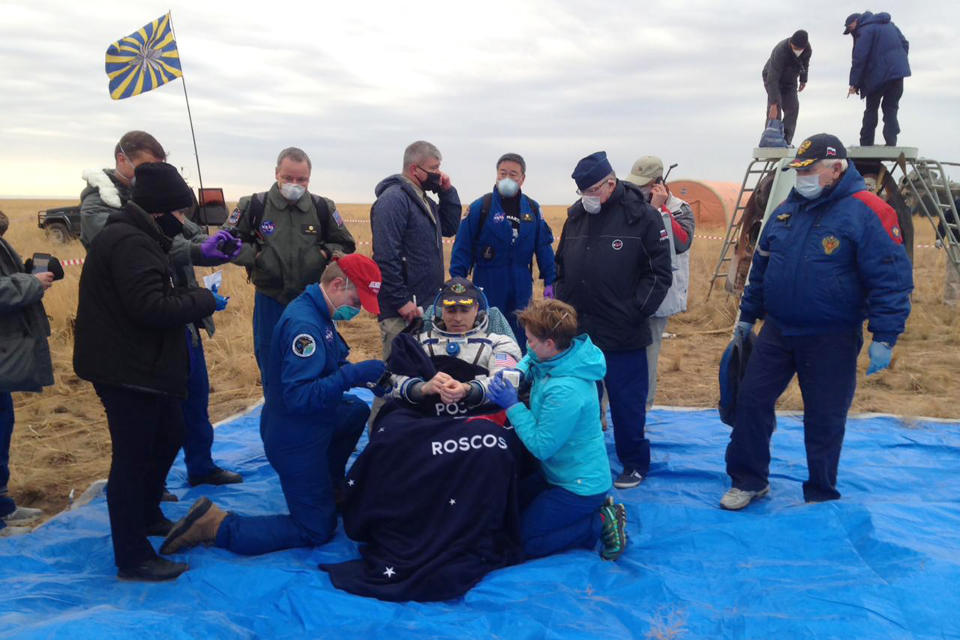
column 365, row 275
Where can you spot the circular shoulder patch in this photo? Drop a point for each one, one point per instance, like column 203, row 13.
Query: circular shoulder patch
column 304, row 345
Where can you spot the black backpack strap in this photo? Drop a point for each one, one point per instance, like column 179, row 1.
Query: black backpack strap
column 255, row 215
column 484, row 214
column 323, row 216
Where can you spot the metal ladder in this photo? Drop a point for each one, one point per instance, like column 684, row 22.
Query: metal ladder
column 936, row 200
column 756, row 170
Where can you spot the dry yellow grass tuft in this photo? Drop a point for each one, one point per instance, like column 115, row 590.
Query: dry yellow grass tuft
column 61, row 442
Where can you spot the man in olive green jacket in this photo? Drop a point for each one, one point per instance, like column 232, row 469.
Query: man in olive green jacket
column 289, row 236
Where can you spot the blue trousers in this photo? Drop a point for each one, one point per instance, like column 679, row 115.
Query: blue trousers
column 266, row 315
column 7, row 505
column 626, row 383
column 198, row 432
column 554, row 519
column 310, row 466
column 826, row 368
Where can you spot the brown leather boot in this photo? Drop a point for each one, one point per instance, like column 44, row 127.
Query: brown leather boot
column 199, row 525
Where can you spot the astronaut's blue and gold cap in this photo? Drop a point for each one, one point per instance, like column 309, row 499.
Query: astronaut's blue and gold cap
column 821, row 146
column 459, row 291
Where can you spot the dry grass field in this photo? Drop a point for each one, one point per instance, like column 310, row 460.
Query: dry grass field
column 60, row 441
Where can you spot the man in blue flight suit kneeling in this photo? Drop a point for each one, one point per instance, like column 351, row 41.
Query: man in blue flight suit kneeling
column 309, row 425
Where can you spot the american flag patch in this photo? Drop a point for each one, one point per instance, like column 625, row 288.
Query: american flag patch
column 504, row 360
column 338, row 218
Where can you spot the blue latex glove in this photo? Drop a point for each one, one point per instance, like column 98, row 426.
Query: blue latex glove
column 221, row 301
column 743, row 329
column 501, row 392
column 361, row 373
column 548, row 292
column 210, row 248
column 880, row 355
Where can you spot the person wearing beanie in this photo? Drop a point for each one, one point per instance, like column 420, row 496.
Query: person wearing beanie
column 788, row 64
column 129, row 342
column 309, row 423
column 106, row 193
column 498, row 240
column 613, row 267
column 879, row 66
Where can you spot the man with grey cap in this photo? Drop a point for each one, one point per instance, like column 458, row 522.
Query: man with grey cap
column 647, row 172
column 613, row 267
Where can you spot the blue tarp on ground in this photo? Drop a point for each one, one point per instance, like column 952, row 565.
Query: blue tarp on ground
column 883, row 562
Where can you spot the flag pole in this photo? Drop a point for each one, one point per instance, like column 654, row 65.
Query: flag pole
column 193, row 135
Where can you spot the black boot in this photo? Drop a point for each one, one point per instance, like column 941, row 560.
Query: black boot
column 219, row 476
column 153, row 570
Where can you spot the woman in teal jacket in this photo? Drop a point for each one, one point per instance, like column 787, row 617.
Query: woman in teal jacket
column 567, row 507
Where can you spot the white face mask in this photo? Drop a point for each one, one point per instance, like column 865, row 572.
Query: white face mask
column 591, row 204
column 508, row 187
column 292, row 192
column 797, row 52
column 809, row 186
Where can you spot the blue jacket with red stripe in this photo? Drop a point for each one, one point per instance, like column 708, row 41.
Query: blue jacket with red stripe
column 824, row 265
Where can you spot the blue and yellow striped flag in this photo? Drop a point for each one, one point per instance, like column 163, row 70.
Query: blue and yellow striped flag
column 144, row 60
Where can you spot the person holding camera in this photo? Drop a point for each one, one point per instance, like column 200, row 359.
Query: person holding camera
column 106, row 193
column 565, row 506
column 679, row 224
column 130, row 343
column 309, row 423
column 289, row 236
column 25, row 363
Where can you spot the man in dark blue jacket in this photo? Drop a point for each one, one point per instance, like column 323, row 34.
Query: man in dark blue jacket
column 309, row 424
column 879, row 67
column 498, row 239
column 614, row 268
column 830, row 256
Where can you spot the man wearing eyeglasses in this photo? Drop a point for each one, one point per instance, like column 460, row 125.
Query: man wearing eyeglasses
column 408, row 230
column 289, row 236
column 613, row 267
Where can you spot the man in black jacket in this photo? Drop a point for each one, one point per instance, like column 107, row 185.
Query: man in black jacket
column 130, row 343
column 613, row 267
column 789, row 62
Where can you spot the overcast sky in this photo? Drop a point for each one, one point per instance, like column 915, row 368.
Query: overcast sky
column 353, row 83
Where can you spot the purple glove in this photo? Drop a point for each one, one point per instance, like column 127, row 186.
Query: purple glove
column 213, row 247
column 548, row 291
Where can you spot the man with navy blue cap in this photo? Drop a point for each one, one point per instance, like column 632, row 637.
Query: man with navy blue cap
column 613, row 267
column 830, row 256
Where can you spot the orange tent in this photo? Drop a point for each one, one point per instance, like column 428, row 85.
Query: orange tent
column 712, row 202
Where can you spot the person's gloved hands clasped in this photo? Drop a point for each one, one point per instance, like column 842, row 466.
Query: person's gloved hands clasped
column 355, row 375
column 742, row 329
column 880, row 354
column 501, row 392
column 221, row 301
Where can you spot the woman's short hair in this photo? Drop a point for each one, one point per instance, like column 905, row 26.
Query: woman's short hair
column 550, row 320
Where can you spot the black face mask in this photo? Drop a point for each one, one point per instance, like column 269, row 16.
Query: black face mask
column 432, row 183
column 169, row 224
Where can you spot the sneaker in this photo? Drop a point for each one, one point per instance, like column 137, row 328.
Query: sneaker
column 218, row 477
column 629, row 479
column 736, row 499
column 614, row 534
column 23, row 515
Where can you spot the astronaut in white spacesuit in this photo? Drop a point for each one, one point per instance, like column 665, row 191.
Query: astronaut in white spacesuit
column 465, row 352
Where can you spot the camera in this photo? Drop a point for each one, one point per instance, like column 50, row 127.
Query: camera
column 227, row 247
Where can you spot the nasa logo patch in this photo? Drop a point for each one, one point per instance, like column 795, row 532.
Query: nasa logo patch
column 498, row 218
column 267, row 227
column 328, row 335
column 304, row 345
column 617, row 244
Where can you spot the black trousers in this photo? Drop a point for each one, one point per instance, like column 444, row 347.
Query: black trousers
column 886, row 98
column 788, row 110
column 146, row 431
